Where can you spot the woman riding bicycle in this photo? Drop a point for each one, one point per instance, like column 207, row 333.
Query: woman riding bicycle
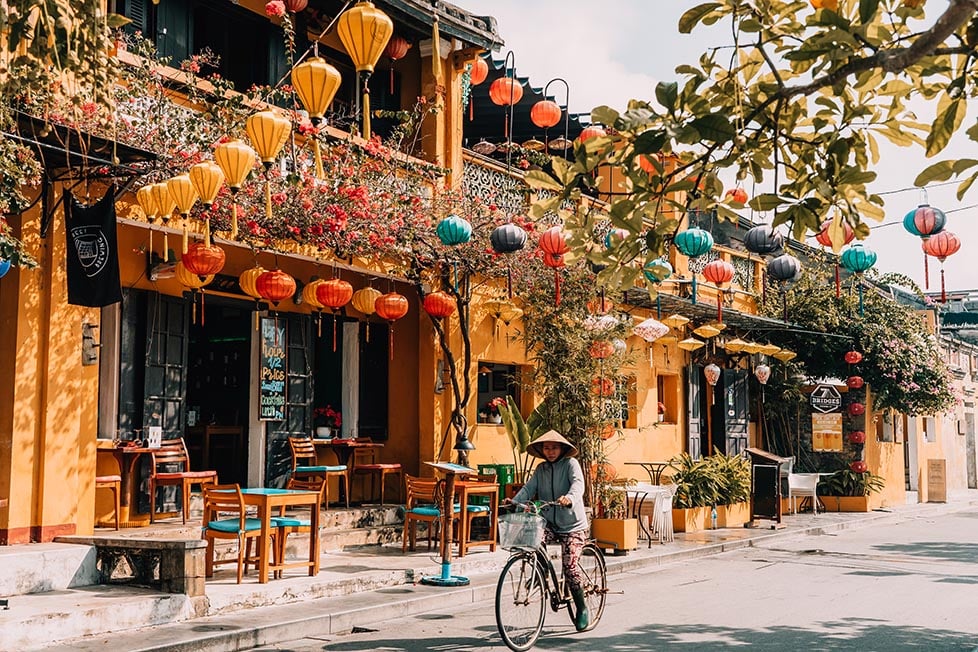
column 559, row 478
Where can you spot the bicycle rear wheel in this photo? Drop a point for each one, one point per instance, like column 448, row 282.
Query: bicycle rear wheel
column 520, row 602
column 595, row 582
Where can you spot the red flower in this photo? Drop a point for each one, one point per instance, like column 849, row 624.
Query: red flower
column 275, row 8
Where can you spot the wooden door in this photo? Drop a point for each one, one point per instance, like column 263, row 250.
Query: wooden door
column 735, row 410
column 694, row 411
column 298, row 398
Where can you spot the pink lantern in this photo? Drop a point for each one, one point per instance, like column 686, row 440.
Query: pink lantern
column 855, row 382
column 651, row 329
column 712, row 373
column 762, row 372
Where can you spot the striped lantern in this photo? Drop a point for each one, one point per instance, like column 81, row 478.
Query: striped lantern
column 439, row 305
column 941, row 246
column 310, row 299
column 275, row 286
column 693, row 243
column 453, row 230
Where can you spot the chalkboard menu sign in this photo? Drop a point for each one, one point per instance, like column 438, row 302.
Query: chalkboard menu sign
column 272, row 370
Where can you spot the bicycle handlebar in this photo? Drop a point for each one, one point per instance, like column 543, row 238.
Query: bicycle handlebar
column 533, row 506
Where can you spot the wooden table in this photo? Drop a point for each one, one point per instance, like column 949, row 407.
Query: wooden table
column 464, row 489
column 268, row 500
column 654, row 469
column 344, row 449
column 127, row 458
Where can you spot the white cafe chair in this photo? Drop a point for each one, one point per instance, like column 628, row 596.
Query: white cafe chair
column 802, row 485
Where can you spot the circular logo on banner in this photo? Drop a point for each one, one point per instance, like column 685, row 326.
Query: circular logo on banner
column 92, row 248
column 825, row 398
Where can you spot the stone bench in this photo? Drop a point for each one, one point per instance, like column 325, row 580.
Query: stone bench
column 167, row 565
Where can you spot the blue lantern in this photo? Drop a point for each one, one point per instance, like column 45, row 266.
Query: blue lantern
column 615, row 237
column 658, row 270
column 857, row 259
column 453, row 230
column 4, row 267
column 691, row 243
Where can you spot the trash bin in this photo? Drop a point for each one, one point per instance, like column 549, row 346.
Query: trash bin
column 765, row 494
column 504, row 475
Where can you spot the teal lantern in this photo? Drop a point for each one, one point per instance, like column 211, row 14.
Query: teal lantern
column 4, row 267
column 656, row 271
column 857, row 259
column 692, row 243
column 453, row 230
column 615, row 237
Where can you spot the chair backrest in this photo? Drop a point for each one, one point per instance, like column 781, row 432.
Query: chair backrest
column 223, row 499
column 174, row 453
column 787, row 466
column 802, row 482
column 302, row 449
column 364, row 455
column 317, row 484
column 420, row 491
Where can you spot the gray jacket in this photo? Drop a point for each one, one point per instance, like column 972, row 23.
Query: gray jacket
column 550, row 481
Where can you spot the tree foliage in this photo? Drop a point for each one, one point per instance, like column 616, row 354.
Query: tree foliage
column 796, row 101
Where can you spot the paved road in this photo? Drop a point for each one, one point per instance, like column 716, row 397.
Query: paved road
column 911, row 584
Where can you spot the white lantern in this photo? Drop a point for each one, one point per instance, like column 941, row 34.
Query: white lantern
column 651, row 329
column 712, row 373
column 762, row 372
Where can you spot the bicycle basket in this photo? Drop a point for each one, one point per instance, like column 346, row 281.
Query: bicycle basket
column 520, row 530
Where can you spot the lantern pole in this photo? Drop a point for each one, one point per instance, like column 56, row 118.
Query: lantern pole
column 566, row 109
column 510, row 56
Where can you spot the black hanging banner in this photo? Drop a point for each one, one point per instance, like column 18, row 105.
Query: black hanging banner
column 272, row 370
column 92, row 252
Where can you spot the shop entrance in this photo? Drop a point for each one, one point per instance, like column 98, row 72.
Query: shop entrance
column 218, row 381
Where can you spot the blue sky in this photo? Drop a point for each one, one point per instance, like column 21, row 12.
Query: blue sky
column 615, row 50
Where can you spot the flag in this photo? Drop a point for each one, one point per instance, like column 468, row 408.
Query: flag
column 92, row 252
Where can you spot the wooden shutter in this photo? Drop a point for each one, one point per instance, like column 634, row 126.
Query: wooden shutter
column 694, row 411
column 298, row 399
column 735, row 410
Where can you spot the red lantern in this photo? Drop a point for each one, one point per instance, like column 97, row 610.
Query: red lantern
column 554, row 261
column 603, row 387
column 594, row 131
column 334, row 294
column 856, row 409
column 600, row 306
column 295, row 6
column 397, row 47
column 940, row 246
column 858, row 466
column 203, row 260
column 607, row 431
column 554, row 241
column 479, row 72
column 738, row 195
column 391, row 306
column 439, row 304
column 275, row 286
column 823, row 235
column 855, row 382
column 854, row 357
column 505, row 91
column 857, row 437
column 719, row 272
column 601, row 349
column 645, row 162
column 545, row 114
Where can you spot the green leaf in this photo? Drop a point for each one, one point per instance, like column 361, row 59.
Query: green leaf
column 667, row 93
column 542, row 180
column 765, row 202
column 944, row 126
column 714, row 127
column 604, row 115
column 115, row 21
column 940, row 171
column 649, row 142
column 695, row 15
column 868, row 9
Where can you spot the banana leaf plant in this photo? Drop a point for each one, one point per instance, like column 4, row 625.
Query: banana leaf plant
column 521, row 432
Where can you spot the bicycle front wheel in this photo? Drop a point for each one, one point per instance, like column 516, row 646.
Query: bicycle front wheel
column 520, row 602
column 595, row 582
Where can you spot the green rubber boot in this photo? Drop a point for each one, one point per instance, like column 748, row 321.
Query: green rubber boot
column 581, row 618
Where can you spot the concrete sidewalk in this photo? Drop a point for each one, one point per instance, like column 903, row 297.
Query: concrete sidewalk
column 369, row 585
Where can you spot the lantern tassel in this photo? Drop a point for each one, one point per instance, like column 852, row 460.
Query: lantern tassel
column 151, row 243
column 860, row 298
column 943, row 292
column 234, row 220
column 719, row 305
column 784, row 304
column 268, row 198
column 926, row 273
column 320, row 172
column 556, row 287
column 694, row 287
column 471, row 109
column 193, row 302
column 319, row 323
column 509, row 281
column 166, row 248
column 207, row 231
column 334, row 331
column 658, row 307
column 368, row 330
column 185, row 242
column 202, row 314
column 366, row 110
column 838, row 282
column 391, row 344
column 392, row 77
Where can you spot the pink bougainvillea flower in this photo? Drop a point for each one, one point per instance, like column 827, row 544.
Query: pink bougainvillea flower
column 275, row 8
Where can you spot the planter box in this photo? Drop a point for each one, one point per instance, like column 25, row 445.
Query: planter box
column 615, row 533
column 692, row 519
column 845, row 503
column 733, row 515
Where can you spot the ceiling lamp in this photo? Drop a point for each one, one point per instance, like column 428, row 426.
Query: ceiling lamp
column 316, row 82
column 365, row 31
column 675, row 321
column 691, row 344
column 236, row 160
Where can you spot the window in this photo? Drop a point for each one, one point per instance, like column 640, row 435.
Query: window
column 496, row 381
column 666, row 386
column 930, row 429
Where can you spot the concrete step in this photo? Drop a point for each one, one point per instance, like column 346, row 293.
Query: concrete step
column 40, row 567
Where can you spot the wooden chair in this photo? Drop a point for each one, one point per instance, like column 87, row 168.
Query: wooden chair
column 303, row 452
column 422, row 505
column 475, row 511
column 365, row 463
column 286, row 525
column 113, row 482
column 225, row 518
column 162, row 475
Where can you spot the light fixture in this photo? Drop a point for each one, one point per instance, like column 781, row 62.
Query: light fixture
column 675, row 321
column 364, row 31
column 268, row 132
column 691, row 344
column 751, row 348
column 707, row 331
column 236, row 160
column 784, row 355
column 769, row 349
column 316, row 82
column 485, row 370
column 735, row 345
column 207, row 178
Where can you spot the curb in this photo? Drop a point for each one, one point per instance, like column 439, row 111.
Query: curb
column 272, row 625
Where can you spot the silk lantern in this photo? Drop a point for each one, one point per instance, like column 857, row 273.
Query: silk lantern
column 925, row 221
column 783, row 269
column 334, row 294
column 397, row 48
column 545, row 114
column 763, row 373
column 194, row 283
column 203, row 259
column 858, row 466
column 834, row 234
column 941, row 246
column 858, row 258
column 236, row 161
column 553, row 242
column 316, row 82
column 144, row 196
column 268, row 132
column 650, row 330
column 479, row 72
column 857, row 437
column 855, row 382
column 439, row 304
column 275, row 286
column 853, row 357
column 656, row 271
column 601, row 349
column 391, row 307
column 592, row 131
column 453, row 230
column 207, row 178
column 712, row 374
column 857, row 409
column 763, row 240
column 738, row 195
column 310, row 299
column 364, row 301
column 693, row 243
column 364, row 31
column 506, row 239
column 247, row 282
column 165, row 204
column 719, row 272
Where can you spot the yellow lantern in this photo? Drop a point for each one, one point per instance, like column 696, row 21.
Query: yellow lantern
column 309, row 297
column 675, row 321
column 691, row 344
column 751, row 348
column 707, row 331
column 164, row 204
column 735, row 345
column 364, row 31
column 147, row 202
column 769, row 349
column 268, row 132
column 185, row 195
column 248, row 281
column 195, row 283
column 364, row 301
column 316, row 83
column 236, row 160
column 784, row 355
column 207, row 178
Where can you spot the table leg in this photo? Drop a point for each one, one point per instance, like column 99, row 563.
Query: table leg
column 264, row 513
column 128, row 469
column 463, row 521
column 314, row 539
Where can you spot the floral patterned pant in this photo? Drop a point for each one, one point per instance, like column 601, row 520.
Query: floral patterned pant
column 571, row 545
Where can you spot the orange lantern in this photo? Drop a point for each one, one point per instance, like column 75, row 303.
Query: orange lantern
column 334, row 294
column 604, row 387
column 601, row 349
column 941, row 246
column 594, row 131
column 203, row 260
column 439, row 304
column 194, row 282
column 505, row 91
column 545, row 114
column 391, row 307
column 479, row 72
column 275, row 286
column 719, row 272
column 600, row 306
column 553, row 242
column 396, row 49
column 738, row 195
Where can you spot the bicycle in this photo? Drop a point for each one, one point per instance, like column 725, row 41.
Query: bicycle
column 529, row 580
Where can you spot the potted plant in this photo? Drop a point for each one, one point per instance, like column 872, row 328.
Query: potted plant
column 733, row 489
column 492, row 409
column 327, row 421
column 849, row 491
column 611, row 525
column 697, row 491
